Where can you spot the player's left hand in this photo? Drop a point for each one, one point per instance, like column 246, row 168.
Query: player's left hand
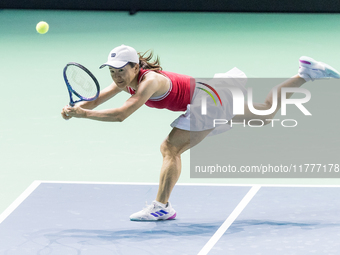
column 75, row 111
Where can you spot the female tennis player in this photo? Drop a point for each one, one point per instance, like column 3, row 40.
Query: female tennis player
column 148, row 84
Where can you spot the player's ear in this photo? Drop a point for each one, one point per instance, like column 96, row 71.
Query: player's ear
column 136, row 68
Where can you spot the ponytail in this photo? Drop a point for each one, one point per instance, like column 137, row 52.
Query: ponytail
column 145, row 61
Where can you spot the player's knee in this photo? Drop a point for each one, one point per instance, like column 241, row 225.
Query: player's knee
column 169, row 149
column 166, row 148
column 266, row 119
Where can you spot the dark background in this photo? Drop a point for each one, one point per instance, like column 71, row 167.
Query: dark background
column 312, row 6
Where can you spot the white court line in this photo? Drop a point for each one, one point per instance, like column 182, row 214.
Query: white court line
column 19, row 200
column 232, row 217
column 201, row 184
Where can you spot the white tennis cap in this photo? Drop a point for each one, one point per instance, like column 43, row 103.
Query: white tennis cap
column 120, row 56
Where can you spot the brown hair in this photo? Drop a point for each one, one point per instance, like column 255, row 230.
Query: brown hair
column 146, row 63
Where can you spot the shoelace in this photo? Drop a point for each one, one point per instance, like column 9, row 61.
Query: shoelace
column 147, row 207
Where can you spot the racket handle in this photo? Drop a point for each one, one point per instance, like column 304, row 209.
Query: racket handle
column 70, row 104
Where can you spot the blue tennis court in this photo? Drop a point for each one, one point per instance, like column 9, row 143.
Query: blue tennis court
column 93, row 218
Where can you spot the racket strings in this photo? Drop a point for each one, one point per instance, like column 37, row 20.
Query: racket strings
column 81, row 82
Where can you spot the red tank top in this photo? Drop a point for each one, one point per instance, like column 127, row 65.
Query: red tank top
column 178, row 96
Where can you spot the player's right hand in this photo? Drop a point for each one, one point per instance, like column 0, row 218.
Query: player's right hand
column 64, row 114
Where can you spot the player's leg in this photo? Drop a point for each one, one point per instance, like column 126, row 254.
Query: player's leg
column 294, row 82
column 309, row 70
column 172, row 147
column 177, row 142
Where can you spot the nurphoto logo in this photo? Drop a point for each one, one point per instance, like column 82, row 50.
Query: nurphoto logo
column 239, row 104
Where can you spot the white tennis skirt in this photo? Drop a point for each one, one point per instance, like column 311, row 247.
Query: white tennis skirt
column 202, row 116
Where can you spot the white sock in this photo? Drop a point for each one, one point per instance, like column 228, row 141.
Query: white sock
column 160, row 204
column 303, row 73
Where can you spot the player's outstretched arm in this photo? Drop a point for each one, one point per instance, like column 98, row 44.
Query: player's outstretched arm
column 146, row 89
column 104, row 96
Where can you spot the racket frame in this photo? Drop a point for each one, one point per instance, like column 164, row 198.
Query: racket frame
column 72, row 91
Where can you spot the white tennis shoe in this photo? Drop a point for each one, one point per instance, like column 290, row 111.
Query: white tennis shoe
column 155, row 211
column 311, row 69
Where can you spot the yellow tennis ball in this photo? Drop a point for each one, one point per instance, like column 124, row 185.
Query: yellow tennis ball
column 42, row 27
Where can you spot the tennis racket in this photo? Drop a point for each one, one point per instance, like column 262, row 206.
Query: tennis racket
column 81, row 83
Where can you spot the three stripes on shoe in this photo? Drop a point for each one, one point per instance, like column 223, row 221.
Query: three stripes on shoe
column 159, row 213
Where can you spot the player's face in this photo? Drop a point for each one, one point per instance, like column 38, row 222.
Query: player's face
column 124, row 76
